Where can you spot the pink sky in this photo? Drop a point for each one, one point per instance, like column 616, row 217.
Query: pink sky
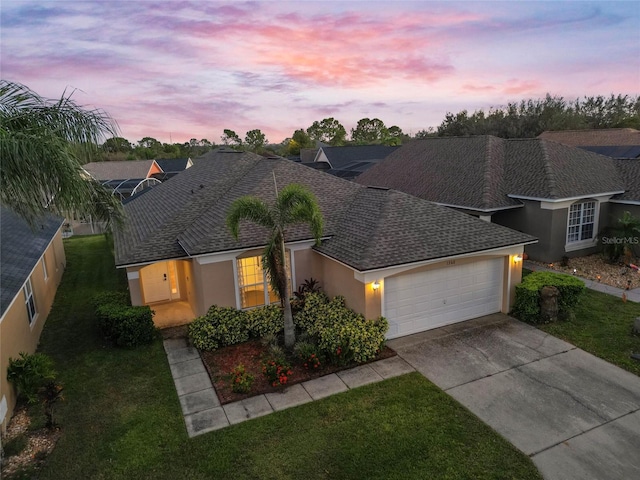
column 181, row 70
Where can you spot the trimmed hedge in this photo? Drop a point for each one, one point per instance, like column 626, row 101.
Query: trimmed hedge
column 268, row 320
column 219, row 327
column 527, row 303
column 126, row 326
column 342, row 334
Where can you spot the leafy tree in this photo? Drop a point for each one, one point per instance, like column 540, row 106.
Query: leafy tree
column 328, row 131
column 255, row 140
column 231, row 139
column 117, row 145
column 395, row 136
column 300, row 139
column 43, row 144
column 426, row 133
column 294, row 204
column 369, row 131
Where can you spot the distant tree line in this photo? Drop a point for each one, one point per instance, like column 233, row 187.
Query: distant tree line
column 524, row 119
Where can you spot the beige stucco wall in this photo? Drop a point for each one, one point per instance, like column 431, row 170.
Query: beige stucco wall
column 308, row 264
column 135, row 285
column 16, row 335
column 214, row 284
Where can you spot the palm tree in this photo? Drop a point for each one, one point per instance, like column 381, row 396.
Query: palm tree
column 294, row 204
column 42, row 143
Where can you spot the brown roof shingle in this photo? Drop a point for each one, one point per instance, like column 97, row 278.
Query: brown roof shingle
column 594, row 137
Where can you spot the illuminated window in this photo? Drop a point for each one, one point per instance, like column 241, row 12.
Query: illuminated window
column 581, row 222
column 253, row 282
column 29, row 301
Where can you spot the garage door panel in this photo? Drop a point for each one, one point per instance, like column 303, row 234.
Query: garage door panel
column 420, row 301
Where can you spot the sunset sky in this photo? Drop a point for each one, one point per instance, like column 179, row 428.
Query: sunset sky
column 181, row 70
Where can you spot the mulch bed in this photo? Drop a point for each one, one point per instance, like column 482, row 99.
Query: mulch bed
column 221, row 362
column 592, row 266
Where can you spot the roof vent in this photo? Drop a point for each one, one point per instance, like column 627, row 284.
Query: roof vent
column 373, row 187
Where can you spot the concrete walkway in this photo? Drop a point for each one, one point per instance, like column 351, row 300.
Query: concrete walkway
column 202, row 410
column 632, row 295
column 576, row 415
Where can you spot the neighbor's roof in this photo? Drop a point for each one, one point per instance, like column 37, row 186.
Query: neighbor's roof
column 340, row 157
column 133, row 169
column 594, row 137
column 21, row 248
column 172, row 165
column 630, row 175
column 366, row 228
column 624, row 151
column 484, row 172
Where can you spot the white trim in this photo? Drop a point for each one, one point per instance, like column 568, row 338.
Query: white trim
column 133, row 275
column 556, row 200
column 206, row 258
column 626, row 202
column 151, row 262
column 484, row 210
column 45, row 272
column 3, row 408
column 236, row 284
column 368, row 276
column 32, row 270
column 567, row 203
column 581, row 245
column 485, row 218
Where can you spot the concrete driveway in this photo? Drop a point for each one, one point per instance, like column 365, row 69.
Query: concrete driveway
column 575, row 415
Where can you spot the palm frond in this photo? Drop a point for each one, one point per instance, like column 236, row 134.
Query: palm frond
column 248, row 208
column 297, row 204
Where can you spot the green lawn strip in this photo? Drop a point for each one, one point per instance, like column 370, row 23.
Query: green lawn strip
column 121, row 418
column 603, row 327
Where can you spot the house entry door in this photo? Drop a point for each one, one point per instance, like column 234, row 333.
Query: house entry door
column 156, row 282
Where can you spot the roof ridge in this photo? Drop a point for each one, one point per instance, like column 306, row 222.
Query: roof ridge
column 548, row 169
column 487, row 177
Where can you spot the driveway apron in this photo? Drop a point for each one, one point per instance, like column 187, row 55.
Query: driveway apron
column 577, row 416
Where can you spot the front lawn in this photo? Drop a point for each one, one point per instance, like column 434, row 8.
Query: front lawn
column 122, row 419
column 602, row 326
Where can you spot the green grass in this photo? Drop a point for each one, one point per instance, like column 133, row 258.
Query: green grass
column 122, row 419
column 602, row 326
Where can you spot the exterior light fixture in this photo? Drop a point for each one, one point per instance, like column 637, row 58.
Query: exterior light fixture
column 375, row 285
column 517, row 258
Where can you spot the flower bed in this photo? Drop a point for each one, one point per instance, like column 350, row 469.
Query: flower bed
column 220, row 363
column 595, row 267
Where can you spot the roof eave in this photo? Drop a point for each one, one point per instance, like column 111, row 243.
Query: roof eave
column 564, row 199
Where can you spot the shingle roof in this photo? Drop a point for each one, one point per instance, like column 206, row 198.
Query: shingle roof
column 340, row 157
column 594, row 137
column 172, row 165
column 624, row 151
column 119, row 170
column 368, row 228
column 630, row 174
column 482, row 172
column 21, row 247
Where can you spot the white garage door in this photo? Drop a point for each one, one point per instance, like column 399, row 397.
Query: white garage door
column 414, row 302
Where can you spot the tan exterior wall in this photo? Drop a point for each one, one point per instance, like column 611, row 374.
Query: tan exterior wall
column 308, row 264
column 338, row 279
column 135, row 285
column 16, row 335
column 215, row 285
column 188, row 290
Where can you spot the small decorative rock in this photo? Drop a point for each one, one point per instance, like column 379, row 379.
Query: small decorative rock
column 636, row 325
column 549, row 303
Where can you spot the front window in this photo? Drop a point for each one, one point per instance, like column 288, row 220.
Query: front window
column 581, row 224
column 29, row 301
column 253, row 283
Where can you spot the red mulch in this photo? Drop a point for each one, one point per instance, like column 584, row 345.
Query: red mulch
column 221, row 362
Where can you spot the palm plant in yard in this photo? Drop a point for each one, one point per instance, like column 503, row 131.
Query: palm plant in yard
column 294, row 204
column 42, row 145
column 624, row 239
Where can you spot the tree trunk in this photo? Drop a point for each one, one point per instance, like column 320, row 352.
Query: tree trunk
column 289, row 327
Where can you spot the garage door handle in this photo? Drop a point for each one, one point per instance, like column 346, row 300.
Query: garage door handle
column 165, row 277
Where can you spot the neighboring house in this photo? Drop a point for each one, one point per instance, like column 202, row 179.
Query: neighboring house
column 31, row 265
column 349, row 162
column 124, row 178
column 171, row 167
column 612, row 142
column 388, row 253
column 562, row 195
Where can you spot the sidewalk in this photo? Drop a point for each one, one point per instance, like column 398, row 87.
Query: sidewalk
column 632, row 295
column 201, row 407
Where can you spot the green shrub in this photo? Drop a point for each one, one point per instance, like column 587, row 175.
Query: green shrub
column 124, row 325
column 16, row 445
column 309, row 354
column 219, row 327
column 264, row 321
column 29, row 373
column 342, row 334
column 103, row 298
column 527, row 302
column 241, row 381
column 277, row 371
